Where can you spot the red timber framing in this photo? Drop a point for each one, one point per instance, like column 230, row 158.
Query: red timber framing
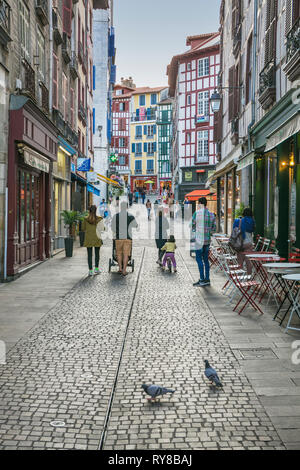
column 32, row 149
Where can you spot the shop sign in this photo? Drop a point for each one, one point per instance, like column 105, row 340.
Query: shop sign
column 188, row 176
column 36, row 161
column 92, row 176
column 83, row 164
column 246, row 161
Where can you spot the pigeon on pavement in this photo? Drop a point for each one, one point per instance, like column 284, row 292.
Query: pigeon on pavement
column 155, row 391
column 212, row 375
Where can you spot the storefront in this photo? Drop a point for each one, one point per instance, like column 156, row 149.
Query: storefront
column 148, row 183
column 79, row 198
column 165, row 185
column 32, row 151
column 61, row 198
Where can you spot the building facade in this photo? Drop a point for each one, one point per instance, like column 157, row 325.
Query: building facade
column 164, row 127
column 257, row 128
column 144, row 148
column 193, row 76
column 120, row 144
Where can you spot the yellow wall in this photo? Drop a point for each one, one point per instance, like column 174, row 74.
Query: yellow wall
column 143, row 157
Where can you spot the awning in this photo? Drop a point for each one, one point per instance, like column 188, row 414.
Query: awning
column 225, row 164
column 92, row 189
column 245, row 161
column 105, row 179
column 66, row 146
column 284, row 132
column 195, row 195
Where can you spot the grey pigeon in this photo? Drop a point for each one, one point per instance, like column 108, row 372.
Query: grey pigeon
column 155, row 391
column 211, row 374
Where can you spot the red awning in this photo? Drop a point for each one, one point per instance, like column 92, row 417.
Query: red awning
column 195, row 195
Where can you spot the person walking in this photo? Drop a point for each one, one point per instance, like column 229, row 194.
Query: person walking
column 161, row 233
column 143, row 194
column 91, row 240
column 130, row 197
column 137, row 196
column 247, row 229
column 149, row 207
column 122, row 225
column 169, row 249
column 205, row 225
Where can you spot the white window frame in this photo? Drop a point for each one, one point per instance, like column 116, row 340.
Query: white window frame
column 202, row 146
column 203, row 67
column 203, row 103
column 122, row 140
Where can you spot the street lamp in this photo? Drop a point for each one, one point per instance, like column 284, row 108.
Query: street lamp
column 215, row 101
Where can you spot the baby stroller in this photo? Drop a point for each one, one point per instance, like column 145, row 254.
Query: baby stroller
column 114, row 262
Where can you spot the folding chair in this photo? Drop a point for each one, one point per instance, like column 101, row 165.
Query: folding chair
column 247, row 289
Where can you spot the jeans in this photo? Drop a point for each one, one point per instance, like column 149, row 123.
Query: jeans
column 90, row 256
column 202, row 257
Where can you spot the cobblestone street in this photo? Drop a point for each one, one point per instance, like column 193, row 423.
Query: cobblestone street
column 74, row 366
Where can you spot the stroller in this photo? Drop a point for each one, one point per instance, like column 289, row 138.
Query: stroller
column 114, row 262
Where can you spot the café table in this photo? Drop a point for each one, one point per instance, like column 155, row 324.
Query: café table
column 295, row 280
column 257, row 260
column 277, row 270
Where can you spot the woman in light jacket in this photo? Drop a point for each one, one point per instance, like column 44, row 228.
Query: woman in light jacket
column 91, row 239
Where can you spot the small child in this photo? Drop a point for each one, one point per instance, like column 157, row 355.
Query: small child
column 169, row 249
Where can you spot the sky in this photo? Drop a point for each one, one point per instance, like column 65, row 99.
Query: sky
column 150, row 32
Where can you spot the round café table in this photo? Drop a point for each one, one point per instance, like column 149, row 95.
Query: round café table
column 295, row 289
column 277, row 270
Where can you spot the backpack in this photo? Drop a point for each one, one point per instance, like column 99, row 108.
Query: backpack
column 236, row 238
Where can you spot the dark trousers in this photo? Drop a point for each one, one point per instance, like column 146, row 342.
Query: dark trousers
column 90, row 256
column 202, row 258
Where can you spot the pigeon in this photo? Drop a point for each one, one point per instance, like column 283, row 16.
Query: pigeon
column 155, row 391
column 212, row 375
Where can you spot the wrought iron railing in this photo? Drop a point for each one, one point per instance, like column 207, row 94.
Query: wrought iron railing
column 44, row 97
column 267, row 77
column 144, row 117
column 81, row 112
column 74, row 64
column 29, row 78
column 5, row 16
column 202, row 159
column 66, row 48
column 293, row 40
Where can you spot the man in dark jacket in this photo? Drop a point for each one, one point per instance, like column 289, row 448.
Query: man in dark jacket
column 161, row 233
column 122, row 225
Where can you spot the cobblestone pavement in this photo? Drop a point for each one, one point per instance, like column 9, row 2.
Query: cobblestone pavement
column 64, row 370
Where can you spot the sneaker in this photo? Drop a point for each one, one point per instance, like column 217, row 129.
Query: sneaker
column 206, row 282
column 91, row 272
column 96, row 271
column 198, row 283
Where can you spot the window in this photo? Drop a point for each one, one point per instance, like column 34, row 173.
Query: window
column 79, row 92
column 138, row 166
column 188, row 99
column 72, row 107
column 203, row 67
column 139, row 149
column 164, row 148
column 122, row 160
column 188, row 138
column 203, row 103
column 138, row 132
column 142, row 100
column 122, row 142
column 202, row 147
column 67, row 16
column 150, row 166
column 119, row 92
column 150, row 131
column 122, row 107
column 79, row 140
column 55, row 82
column 150, row 147
column 41, row 52
column 188, row 66
column 248, row 69
column 24, row 28
column 153, row 98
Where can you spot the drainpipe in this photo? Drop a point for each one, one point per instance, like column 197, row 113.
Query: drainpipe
column 254, row 64
column 51, row 55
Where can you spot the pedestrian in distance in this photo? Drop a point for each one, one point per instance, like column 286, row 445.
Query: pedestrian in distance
column 169, row 249
column 143, row 196
column 149, row 207
column 161, row 232
column 91, row 225
column 130, row 198
column 137, row 196
column 204, row 222
column 247, row 224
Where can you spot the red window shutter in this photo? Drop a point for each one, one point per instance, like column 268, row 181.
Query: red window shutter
column 67, row 16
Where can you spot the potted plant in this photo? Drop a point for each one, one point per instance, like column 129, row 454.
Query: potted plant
column 70, row 219
column 81, row 216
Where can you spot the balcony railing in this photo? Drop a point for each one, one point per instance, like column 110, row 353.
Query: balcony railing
column 41, row 8
column 57, row 28
column 138, row 171
column 82, row 113
column 58, row 120
column 44, row 97
column 237, row 40
column 74, row 65
column 292, row 67
column 202, row 159
column 4, row 23
column 144, row 117
column 138, row 137
column 28, row 79
column 267, row 85
column 66, row 48
column 150, row 171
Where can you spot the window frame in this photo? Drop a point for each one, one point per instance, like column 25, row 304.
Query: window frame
column 205, row 63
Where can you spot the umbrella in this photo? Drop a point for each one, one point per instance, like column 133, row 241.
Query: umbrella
column 149, row 181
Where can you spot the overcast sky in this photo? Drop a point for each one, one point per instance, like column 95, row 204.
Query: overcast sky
column 150, row 32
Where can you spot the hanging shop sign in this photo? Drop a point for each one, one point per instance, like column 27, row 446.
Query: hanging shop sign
column 35, row 160
column 188, row 176
column 83, row 164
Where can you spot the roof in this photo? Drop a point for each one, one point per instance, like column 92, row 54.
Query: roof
column 146, row 89
column 201, row 47
column 166, row 101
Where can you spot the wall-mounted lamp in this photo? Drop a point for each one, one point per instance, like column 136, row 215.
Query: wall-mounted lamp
column 215, row 99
